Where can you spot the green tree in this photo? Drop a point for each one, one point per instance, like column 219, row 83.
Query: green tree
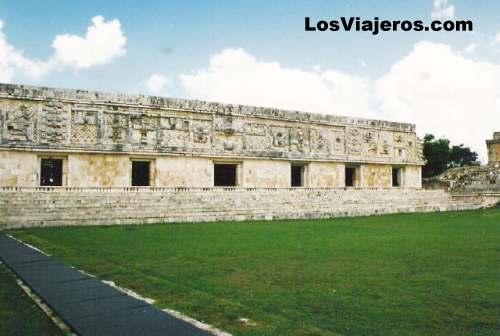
column 462, row 156
column 440, row 156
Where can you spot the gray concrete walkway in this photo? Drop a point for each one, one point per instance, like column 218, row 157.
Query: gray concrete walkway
column 86, row 304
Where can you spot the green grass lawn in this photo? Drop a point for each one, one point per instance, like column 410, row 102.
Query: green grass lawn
column 406, row 274
column 19, row 315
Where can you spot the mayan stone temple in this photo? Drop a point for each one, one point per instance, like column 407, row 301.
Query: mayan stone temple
column 81, row 157
column 493, row 146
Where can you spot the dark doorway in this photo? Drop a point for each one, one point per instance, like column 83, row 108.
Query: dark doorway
column 140, row 173
column 350, row 176
column 396, row 177
column 51, row 172
column 225, row 175
column 297, row 176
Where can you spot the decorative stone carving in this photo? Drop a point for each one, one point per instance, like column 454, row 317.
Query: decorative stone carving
column 385, row 143
column 174, row 140
column 280, row 136
column 414, row 148
column 420, row 150
column 321, row 140
column 228, row 124
column 354, row 141
column 299, row 139
column 228, row 142
column 398, row 139
column 338, row 140
column 200, row 134
column 385, row 148
column 178, row 124
column 84, row 125
column 106, row 122
column 20, row 123
column 370, row 139
column 54, row 125
column 116, row 127
column 143, row 129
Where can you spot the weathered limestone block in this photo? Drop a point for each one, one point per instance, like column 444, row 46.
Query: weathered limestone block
column 412, row 177
column 326, row 174
column 265, row 173
column 98, row 170
column 183, row 172
column 18, row 169
column 376, row 175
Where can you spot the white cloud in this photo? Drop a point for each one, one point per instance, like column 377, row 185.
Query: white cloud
column 157, row 84
column 441, row 10
column 103, row 42
column 444, row 93
column 437, row 88
column 495, row 42
column 470, row 48
column 362, row 63
column 13, row 60
column 234, row 76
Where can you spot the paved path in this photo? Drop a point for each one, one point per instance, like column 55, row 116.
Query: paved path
column 86, row 304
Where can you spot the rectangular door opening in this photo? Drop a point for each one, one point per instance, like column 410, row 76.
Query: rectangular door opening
column 51, row 172
column 225, row 175
column 350, row 176
column 396, row 177
column 140, row 173
column 297, row 176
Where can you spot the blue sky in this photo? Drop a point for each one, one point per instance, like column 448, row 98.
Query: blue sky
column 257, row 52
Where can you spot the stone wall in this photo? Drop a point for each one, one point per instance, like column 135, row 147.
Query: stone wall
column 468, row 178
column 98, row 170
column 28, row 207
column 412, row 177
column 18, row 169
column 376, row 175
column 326, row 174
column 493, row 146
column 22, row 169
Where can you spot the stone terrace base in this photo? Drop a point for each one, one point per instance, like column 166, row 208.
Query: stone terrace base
column 53, row 206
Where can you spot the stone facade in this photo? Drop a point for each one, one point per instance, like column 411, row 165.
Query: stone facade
column 494, row 150
column 98, row 136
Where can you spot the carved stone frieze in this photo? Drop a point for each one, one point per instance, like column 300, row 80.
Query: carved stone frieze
column 354, row 141
column 20, row 122
column 54, row 123
column 107, row 122
column 84, row 125
column 116, row 127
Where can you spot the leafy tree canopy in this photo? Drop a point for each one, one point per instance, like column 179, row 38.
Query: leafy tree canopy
column 440, row 156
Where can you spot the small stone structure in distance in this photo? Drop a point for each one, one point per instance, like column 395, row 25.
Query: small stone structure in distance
column 484, row 179
column 493, row 146
column 72, row 157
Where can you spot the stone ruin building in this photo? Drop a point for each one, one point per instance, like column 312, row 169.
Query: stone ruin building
column 476, row 178
column 86, row 139
column 493, row 146
column 74, row 156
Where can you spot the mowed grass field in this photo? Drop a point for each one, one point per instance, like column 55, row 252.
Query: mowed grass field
column 406, row 274
column 19, row 314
